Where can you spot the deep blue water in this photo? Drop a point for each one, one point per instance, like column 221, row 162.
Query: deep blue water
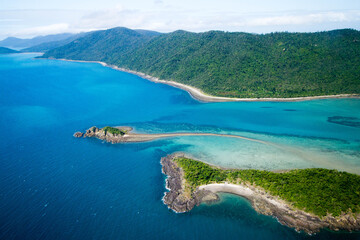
column 53, row 186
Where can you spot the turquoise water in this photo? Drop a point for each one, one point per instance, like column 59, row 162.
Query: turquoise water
column 53, row 186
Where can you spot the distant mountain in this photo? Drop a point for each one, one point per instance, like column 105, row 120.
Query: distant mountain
column 147, row 32
column 43, row 47
column 106, row 45
column 4, row 50
column 13, row 42
column 232, row 64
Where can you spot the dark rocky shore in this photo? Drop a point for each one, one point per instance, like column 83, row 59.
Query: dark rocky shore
column 102, row 134
column 176, row 199
column 180, row 201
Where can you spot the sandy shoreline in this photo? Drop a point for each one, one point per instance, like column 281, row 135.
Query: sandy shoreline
column 244, row 191
column 201, row 96
column 134, row 137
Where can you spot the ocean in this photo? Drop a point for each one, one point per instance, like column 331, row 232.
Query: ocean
column 54, row 186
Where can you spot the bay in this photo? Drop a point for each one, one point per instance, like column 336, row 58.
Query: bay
column 53, row 186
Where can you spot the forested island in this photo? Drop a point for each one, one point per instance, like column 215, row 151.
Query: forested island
column 305, row 199
column 231, row 64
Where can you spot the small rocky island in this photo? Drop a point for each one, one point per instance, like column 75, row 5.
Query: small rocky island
column 307, row 200
column 109, row 134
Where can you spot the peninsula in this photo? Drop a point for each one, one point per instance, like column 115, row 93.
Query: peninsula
column 124, row 134
column 307, row 199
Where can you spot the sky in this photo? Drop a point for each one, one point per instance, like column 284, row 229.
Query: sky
column 26, row 19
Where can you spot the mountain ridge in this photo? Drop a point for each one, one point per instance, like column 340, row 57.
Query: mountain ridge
column 21, row 43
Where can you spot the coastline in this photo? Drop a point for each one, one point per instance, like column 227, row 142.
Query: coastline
column 180, row 200
column 203, row 97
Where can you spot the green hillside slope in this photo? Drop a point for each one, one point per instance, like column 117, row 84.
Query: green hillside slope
column 43, row 47
column 106, row 45
column 233, row 64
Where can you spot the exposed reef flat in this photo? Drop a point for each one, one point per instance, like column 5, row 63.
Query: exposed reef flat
column 125, row 134
column 182, row 198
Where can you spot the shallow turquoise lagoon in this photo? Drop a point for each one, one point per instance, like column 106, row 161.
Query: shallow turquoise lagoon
column 53, row 186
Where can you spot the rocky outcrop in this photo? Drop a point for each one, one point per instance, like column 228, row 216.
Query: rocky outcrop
column 176, row 199
column 78, row 134
column 303, row 221
column 262, row 202
column 102, row 134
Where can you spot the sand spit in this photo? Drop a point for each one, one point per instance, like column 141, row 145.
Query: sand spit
column 129, row 136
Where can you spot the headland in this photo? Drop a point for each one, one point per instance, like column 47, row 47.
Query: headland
column 191, row 182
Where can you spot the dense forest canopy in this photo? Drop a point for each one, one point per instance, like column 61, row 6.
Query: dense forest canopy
column 232, row 64
column 315, row 190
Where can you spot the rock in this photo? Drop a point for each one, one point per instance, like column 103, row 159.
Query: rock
column 106, row 136
column 210, row 197
column 91, row 132
column 78, row 134
column 176, row 199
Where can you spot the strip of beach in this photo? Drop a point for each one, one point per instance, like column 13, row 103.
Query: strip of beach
column 203, row 97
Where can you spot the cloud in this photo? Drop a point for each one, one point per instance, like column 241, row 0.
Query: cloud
column 158, row 2
column 10, row 20
column 44, row 30
column 167, row 18
column 111, row 18
column 301, row 19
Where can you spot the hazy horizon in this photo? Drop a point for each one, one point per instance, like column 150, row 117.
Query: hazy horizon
column 179, row 30
column 26, row 19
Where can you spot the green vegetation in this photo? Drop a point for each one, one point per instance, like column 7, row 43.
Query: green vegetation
column 114, row 131
column 105, row 46
column 232, row 64
column 320, row 191
column 4, row 50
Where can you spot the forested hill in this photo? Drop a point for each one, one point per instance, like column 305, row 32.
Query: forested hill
column 232, row 64
column 4, row 50
column 42, row 47
column 105, row 45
